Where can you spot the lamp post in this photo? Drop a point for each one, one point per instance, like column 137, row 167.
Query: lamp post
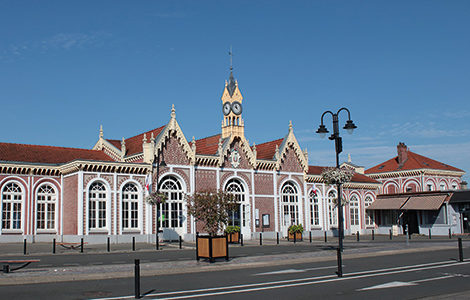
column 156, row 164
column 339, row 148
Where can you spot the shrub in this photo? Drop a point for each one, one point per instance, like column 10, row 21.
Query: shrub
column 296, row 229
column 232, row 229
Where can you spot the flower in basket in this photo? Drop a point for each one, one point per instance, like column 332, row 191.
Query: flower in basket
column 156, row 198
column 293, row 229
column 335, row 175
column 232, row 229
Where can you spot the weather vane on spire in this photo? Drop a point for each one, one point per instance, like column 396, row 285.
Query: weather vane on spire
column 231, row 57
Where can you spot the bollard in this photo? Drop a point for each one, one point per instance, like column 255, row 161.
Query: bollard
column 137, row 278
column 373, row 234
column 460, row 250
column 260, row 239
column 24, row 247
column 133, row 243
column 310, row 236
column 340, row 262
column 357, row 236
column 429, row 233
column 53, row 246
column 450, row 233
column 157, row 243
column 81, row 245
column 108, row 245
column 326, row 237
column 295, row 234
column 181, row 243
column 277, row 238
column 241, row 239
column 390, row 234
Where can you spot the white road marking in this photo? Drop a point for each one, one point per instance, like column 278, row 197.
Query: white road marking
column 288, row 271
column 387, row 285
column 297, row 282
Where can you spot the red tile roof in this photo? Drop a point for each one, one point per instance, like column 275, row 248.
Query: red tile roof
column 267, row 150
column 316, row 170
column 134, row 144
column 47, row 154
column 208, row 145
column 115, row 143
column 414, row 161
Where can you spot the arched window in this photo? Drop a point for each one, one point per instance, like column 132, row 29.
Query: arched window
column 454, row 185
column 171, row 212
column 130, row 206
column 236, row 216
column 12, row 199
column 430, row 186
column 354, row 210
column 332, row 209
column 314, row 208
column 290, row 200
column 442, row 186
column 97, row 206
column 369, row 213
column 46, row 205
column 391, row 189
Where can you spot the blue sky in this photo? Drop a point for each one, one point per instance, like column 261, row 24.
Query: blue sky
column 401, row 67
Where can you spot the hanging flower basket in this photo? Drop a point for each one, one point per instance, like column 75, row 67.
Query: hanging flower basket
column 336, row 176
column 156, row 198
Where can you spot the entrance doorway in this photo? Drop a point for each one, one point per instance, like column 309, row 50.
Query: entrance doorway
column 240, row 216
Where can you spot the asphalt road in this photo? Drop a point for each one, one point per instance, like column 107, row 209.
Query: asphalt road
column 405, row 276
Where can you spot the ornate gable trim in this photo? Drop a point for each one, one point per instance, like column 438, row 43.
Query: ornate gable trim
column 224, row 150
column 291, row 141
column 108, row 148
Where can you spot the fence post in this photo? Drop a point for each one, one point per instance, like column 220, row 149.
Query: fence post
column 108, row 245
column 53, row 246
column 81, row 245
column 450, row 233
column 197, row 250
column 390, row 234
column 24, row 247
column 260, row 239
column 181, row 243
column 310, row 236
column 373, row 234
column 429, row 233
column 137, row 278
column 241, row 239
column 133, row 243
column 326, row 237
column 357, row 236
column 277, row 238
column 295, row 236
column 460, row 250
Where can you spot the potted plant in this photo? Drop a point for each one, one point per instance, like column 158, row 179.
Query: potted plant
column 233, row 233
column 295, row 232
column 211, row 208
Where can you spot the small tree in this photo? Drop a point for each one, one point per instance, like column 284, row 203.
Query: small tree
column 211, row 208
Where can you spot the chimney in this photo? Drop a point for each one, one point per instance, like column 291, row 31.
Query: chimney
column 402, row 154
column 463, row 185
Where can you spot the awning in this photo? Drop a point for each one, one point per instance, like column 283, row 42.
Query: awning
column 431, row 202
column 383, row 203
column 460, row 196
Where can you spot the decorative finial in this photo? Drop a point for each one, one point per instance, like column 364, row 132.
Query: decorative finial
column 173, row 111
column 101, row 132
column 123, row 148
column 193, row 144
column 290, row 126
column 349, row 157
column 230, row 53
column 145, row 138
column 152, row 138
column 277, row 155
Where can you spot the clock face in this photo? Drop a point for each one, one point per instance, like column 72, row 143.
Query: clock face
column 226, row 108
column 237, row 107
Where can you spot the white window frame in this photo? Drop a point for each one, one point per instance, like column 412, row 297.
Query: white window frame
column 314, row 203
column 175, row 202
column 51, row 198
column 129, row 198
column 369, row 215
column 105, row 200
column 290, row 202
column 332, row 208
column 20, row 201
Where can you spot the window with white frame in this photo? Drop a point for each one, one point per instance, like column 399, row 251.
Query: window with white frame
column 354, row 210
column 237, row 215
column 46, row 207
column 332, row 208
column 454, row 185
column 171, row 212
column 290, row 209
column 369, row 214
column 97, row 197
column 314, row 208
column 12, row 200
column 442, row 186
column 130, row 206
column 429, row 186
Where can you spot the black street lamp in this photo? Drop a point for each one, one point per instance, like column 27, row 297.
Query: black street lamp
column 157, row 164
column 339, row 148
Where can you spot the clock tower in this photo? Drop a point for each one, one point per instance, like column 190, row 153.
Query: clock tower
column 232, row 124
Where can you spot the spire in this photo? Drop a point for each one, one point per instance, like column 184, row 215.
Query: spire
column 349, row 157
column 144, row 140
column 101, row 132
column 152, row 138
column 290, row 126
column 193, row 145
column 173, row 111
column 232, row 84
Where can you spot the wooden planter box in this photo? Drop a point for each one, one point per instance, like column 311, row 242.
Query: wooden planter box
column 234, row 238
column 211, row 247
column 297, row 238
